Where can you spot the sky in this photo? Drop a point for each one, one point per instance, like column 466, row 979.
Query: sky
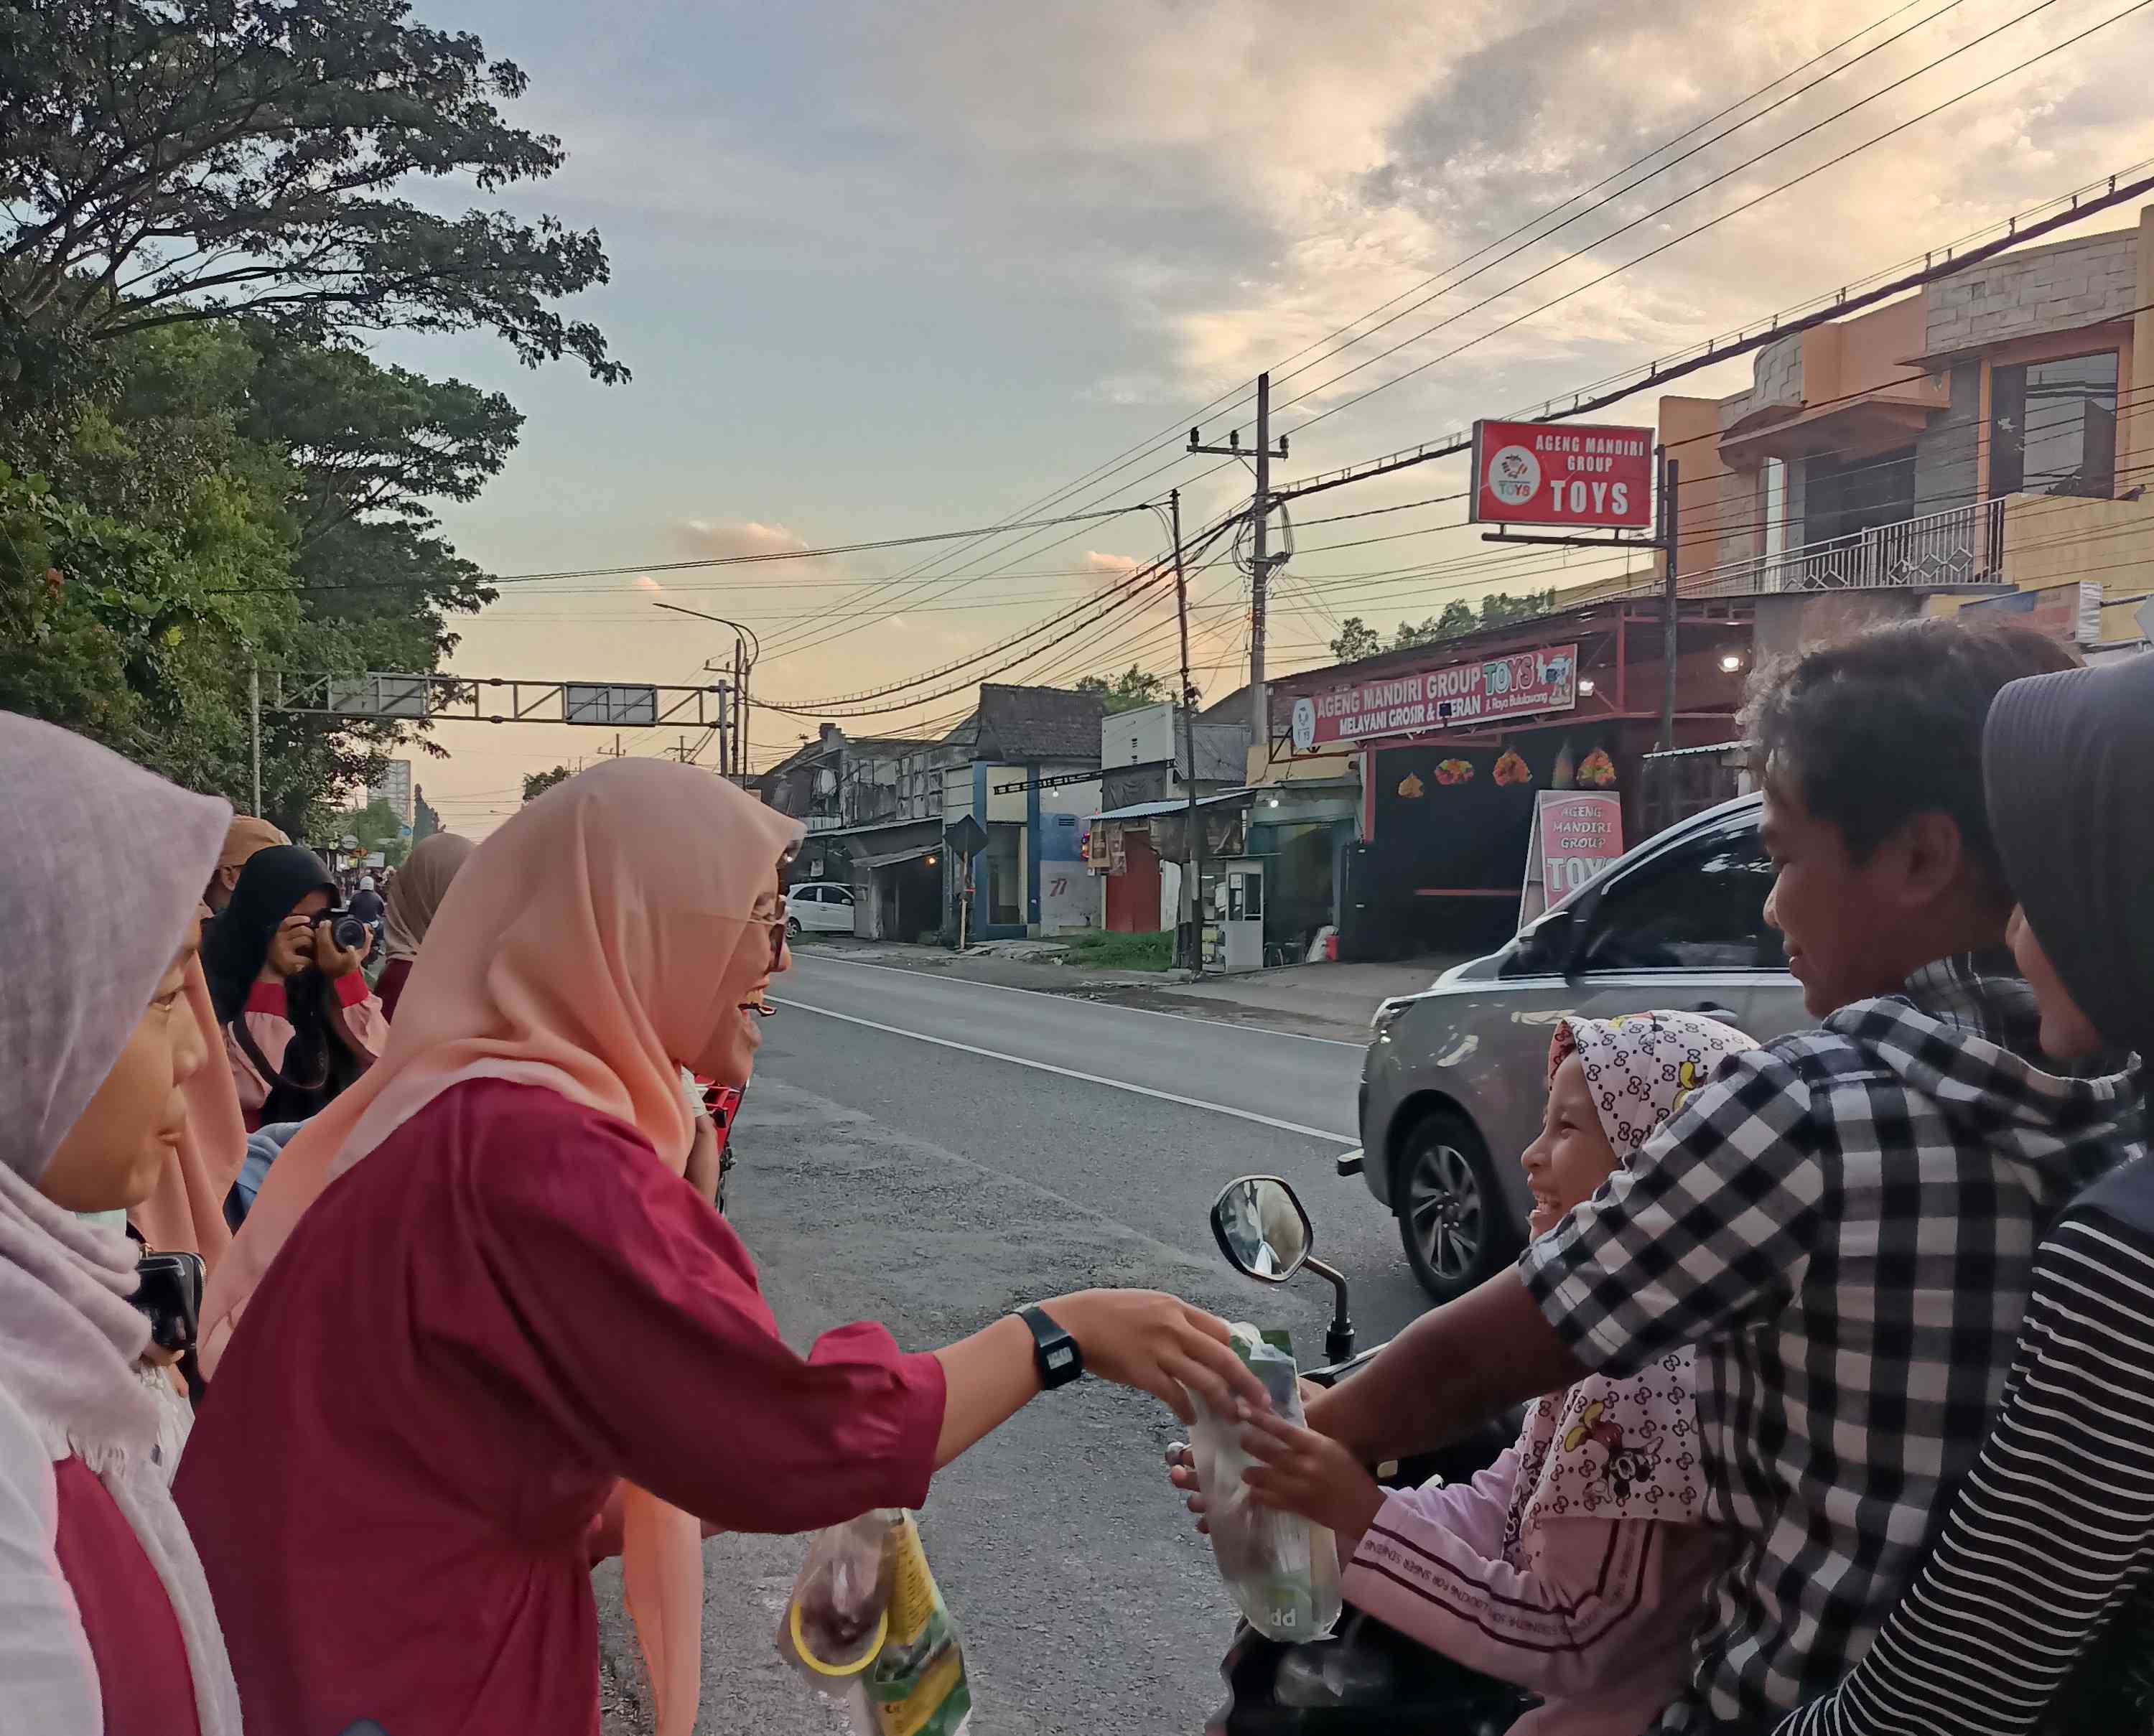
column 882, row 272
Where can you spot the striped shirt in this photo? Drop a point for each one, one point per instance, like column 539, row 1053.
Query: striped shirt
column 2055, row 1526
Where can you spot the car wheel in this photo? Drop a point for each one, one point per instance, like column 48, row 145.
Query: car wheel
column 1454, row 1222
column 793, row 928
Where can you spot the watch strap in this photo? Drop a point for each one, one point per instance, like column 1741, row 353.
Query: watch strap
column 1054, row 1353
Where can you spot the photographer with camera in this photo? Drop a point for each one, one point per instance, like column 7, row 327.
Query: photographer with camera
column 300, row 1024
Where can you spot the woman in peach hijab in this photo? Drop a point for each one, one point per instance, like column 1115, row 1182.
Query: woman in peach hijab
column 494, row 1295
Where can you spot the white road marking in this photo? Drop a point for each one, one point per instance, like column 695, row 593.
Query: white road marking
column 1224, row 1024
column 1119, row 1085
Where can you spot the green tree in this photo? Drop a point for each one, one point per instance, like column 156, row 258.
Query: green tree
column 1500, row 609
column 1355, row 640
column 536, row 784
column 1126, row 692
column 377, row 826
column 1458, row 617
column 174, row 161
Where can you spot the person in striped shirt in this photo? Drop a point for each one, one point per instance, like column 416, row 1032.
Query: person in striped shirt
column 2035, row 1612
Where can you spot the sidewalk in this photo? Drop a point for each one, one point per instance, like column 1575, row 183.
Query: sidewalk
column 1323, row 1000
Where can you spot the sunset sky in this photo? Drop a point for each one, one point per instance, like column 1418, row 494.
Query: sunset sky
column 882, row 271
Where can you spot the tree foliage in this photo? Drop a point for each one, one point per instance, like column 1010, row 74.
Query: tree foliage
column 168, row 161
column 536, row 784
column 378, row 827
column 1356, row 639
column 1125, row 692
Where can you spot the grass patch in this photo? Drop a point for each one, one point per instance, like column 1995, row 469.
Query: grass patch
column 1102, row 950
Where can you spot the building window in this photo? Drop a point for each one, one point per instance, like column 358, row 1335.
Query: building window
column 1843, row 500
column 2053, row 427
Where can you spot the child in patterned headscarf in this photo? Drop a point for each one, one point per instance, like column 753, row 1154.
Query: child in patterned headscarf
column 1576, row 1566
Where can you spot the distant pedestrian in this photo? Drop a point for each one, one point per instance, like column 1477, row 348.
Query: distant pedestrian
column 414, row 896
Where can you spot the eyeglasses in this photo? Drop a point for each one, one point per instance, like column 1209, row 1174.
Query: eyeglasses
column 776, row 925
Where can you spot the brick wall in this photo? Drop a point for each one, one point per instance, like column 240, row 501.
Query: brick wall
column 2052, row 288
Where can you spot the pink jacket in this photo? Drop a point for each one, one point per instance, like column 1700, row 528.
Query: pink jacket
column 1598, row 1620
column 272, row 1032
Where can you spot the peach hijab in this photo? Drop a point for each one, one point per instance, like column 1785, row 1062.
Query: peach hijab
column 585, row 948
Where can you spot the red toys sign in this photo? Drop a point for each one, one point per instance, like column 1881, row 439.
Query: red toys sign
column 1563, row 473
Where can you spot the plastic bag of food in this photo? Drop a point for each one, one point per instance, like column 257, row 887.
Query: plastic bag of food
column 867, row 1622
column 1282, row 1570
column 839, row 1613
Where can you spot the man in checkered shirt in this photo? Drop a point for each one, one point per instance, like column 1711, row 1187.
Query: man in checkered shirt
column 1843, row 1222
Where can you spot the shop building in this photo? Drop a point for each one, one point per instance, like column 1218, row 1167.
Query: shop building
column 1026, row 766
column 1396, row 799
column 1138, row 845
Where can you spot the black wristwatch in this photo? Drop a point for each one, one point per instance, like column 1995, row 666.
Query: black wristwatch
column 1054, row 1352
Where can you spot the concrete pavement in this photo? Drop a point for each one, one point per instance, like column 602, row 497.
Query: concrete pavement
column 1037, row 1144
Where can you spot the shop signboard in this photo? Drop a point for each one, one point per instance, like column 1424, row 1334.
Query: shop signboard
column 1573, row 475
column 1574, row 837
column 1455, row 696
column 2070, row 612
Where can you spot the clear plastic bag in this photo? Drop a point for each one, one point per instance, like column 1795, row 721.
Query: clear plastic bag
column 867, row 1622
column 1281, row 1570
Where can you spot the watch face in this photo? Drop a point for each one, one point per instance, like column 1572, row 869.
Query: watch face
column 1060, row 1357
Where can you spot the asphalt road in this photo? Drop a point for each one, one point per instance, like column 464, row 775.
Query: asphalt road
column 930, row 1153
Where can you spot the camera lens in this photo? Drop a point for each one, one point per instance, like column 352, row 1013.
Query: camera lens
column 349, row 932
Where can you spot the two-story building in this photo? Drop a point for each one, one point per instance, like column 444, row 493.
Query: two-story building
column 874, row 822
column 1983, row 444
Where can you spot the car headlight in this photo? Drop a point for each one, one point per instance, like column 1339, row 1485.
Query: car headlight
column 1389, row 1013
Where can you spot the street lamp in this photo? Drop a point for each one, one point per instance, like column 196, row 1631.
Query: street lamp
column 1730, row 661
column 747, row 650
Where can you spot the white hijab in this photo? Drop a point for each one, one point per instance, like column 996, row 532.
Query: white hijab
column 102, row 864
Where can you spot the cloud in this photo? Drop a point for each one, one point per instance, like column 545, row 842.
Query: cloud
column 1113, row 564
column 649, row 586
column 719, row 538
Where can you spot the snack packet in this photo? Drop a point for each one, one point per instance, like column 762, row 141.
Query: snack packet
column 1281, row 1570
column 866, row 1623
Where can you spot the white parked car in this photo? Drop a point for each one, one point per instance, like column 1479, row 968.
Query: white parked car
column 819, row 908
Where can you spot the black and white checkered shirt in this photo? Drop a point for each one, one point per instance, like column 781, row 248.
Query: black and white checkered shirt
column 1844, row 1223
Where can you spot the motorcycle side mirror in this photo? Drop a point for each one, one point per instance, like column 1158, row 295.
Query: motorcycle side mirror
column 1262, row 1227
column 1264, row 1231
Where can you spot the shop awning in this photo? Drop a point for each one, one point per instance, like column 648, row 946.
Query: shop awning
column 891, row 857
column 1172, row 804
column 1720, row 747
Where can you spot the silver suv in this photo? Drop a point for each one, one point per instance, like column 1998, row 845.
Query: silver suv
column 1455, row 1082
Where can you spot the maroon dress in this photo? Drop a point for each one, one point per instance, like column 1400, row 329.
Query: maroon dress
column 134, row 1638
column 389, row 986
column 510, row 1303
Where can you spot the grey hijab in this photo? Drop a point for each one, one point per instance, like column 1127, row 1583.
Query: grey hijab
column 101, row 868
column 2068, row 760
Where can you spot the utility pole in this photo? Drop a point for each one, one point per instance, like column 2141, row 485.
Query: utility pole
column 616, row 750
column 1260, row 559
column 1192, row 886
column 254, row 710
column 1671, row 538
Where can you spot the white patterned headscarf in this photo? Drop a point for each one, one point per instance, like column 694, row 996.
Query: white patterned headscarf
column 1623, row 1448
column 102, row 864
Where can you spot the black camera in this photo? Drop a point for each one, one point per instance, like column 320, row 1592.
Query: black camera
column 171, row 1292
column 345, row 930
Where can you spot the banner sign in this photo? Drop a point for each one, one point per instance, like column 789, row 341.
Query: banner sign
column 1571, row 474
column 1456, row 697
column 1574, row 837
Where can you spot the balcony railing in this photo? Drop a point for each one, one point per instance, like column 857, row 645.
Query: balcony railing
column 1961, row 545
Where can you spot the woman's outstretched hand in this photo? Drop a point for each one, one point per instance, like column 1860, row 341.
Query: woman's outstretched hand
column 1160, row 1345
